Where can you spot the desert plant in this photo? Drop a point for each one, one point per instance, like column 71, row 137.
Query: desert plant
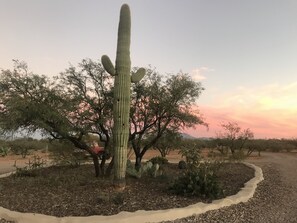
column 238, row 155
column 121, row 100
column 63, row 153
column 233, row 137
column 191, row 152
column 199, row 178
column 147, row 169
column 168, row 142
column 4, row 151
column 159, row 160
column 255, row 145
column 182, row 165
column 201, row 181
column 30, row 169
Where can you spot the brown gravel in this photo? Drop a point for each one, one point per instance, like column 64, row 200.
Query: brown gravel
column 65, row 191
column 275, row 200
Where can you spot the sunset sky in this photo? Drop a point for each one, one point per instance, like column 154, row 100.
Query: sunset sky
column 243, row 52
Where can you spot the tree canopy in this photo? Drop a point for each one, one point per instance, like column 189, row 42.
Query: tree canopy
column 78, row 103
column 160, row 104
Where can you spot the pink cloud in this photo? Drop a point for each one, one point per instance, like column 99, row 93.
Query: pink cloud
column 198, row 74
column 275, row 124
column 269, row 111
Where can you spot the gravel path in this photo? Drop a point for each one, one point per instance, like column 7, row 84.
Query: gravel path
column 275, row 200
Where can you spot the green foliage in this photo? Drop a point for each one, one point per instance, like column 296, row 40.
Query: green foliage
column 199, row 177
column 192, row 153
column 30, row 169
column 62, row 153
column 257, row 145
column 160, row 106
column 232, row 138
column 148, row 169
column 169, row 141
column 159, row 160
column 278, row 145
column 67, row 107
column 238, row 155
column 273, row 145
column 4, row 150
column 182, row 165
column 22, row 146
column 200, row 181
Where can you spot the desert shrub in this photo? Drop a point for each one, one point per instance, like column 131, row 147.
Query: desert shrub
column 201, row 181
column 192, row 155
column 289, row 147
column 4, row 151
column 30, row 169
column 20, row 147
column 147, row 169
column 256, row 145
column 159, row 160
column 198, row 178
column 182, row 165
column 63, row 153
column 238, row 155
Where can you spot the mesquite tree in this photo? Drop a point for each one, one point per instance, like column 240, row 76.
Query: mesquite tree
column 70, row 108
column 233, row 137
column 159, row 104
column 121, row 101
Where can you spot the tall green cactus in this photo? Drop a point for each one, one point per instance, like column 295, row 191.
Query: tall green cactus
column 121, row 101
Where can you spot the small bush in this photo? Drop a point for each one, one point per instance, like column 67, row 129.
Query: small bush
column 118, row 199
column 198, row 178
column 159, row 160
column 30, row 169
column 182, row 165
column 192, row 155
column 4, row 151
column 201, row 181
column 237, row 155
column 63, row 154
column 147, row 169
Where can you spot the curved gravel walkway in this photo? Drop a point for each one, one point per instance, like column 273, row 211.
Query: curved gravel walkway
column 275, row 200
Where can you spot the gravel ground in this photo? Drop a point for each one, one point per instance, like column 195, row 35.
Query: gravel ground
column 70, row 192
column 275, row 200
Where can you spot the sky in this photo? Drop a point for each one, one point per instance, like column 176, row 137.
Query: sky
column 243, row 52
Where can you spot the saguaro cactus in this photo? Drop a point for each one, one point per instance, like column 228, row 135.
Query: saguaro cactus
column 121, row 101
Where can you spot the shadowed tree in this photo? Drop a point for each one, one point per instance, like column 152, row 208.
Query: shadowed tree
column 161, row 104
column 169, row 141
column 69, row 108
column 233, row 137
column 79, row 102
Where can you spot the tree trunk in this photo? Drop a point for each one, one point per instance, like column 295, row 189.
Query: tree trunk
column 96, row 164
column 138, row 161
column 110, row 166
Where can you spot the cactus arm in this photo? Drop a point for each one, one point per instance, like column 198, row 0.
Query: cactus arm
column 138, row 75
column 107, row 64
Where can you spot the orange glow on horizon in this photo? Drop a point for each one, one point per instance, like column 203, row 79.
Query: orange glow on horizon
column 273, row 124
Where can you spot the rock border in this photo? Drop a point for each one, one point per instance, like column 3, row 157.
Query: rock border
column 142, row 216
